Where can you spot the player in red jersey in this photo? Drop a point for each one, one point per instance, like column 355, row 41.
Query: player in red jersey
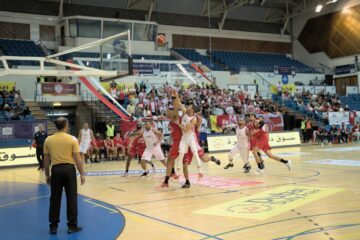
column 176, row 134
column 119, row 145
column 262, row 143
column 101, row 146
column 135, row 145
column 93, row 150
column 110, row 148
column 251, row 126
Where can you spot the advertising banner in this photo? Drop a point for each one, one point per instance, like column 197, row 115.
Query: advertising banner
column 17, row 156
column 8, row 85
column 270, row 203
column 57, row 89
column 19, row 129
column 278, row 139
column 338, row 117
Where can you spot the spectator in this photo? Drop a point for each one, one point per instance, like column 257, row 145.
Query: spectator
column 308, row 130
column 279, row 91
column 334, row 134
column 110, row 130
column 343, row 133
column 356, row 131
column 121, row 97
column 303, row 129
column 323, row 135
column 131, row 108
column 26, row 112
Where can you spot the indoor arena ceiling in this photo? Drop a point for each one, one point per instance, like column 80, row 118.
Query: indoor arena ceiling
column 251, row 10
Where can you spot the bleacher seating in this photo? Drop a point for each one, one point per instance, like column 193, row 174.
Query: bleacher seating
column 10, row 47
column 10, row 101
column 193, row 55
column 258, row 62
column 352, row 100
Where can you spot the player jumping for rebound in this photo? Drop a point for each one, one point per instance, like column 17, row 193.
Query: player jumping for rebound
column 262, row 143
column 176, row 134
column 152, row 138
column 242, row 146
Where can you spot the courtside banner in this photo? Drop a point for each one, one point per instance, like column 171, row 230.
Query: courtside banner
column 17, row 156
column 218, row 143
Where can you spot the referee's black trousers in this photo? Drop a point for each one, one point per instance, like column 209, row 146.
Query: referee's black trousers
column 63, row 176
column 40, row 155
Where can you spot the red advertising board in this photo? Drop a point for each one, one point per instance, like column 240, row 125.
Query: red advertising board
column 57, row 89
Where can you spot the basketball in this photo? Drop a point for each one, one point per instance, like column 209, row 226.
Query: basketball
column 160, row 40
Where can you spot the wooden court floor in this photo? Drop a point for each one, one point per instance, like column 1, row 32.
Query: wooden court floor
column 318, row 199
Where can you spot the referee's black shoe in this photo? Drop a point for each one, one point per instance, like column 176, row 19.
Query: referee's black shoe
column 74, row 229
column 53, row 229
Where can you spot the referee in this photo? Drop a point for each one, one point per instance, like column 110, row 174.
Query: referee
column 62, row 149
column 38, row 141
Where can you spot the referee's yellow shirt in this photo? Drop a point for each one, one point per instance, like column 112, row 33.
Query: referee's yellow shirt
column 61, row 147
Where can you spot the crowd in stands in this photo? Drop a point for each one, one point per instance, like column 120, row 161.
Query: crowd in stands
column 12, row 105
column 334, row 134
column 318, row 106
column 319, row 103
column 148, row 101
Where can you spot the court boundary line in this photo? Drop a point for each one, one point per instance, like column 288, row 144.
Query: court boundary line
column 317, row 230
column 86, row 199
column 209, row 236
column 283, row 220
column 101, row 204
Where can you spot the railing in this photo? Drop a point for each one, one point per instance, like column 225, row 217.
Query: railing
column 265, row 85
column 43, row 47
column 99, row 111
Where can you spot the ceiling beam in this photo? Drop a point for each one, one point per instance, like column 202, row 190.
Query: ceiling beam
column 215, row 8
column 223, row 18
column 283, row 29
column 132, row 4
column 61, row 9
column 151, row 9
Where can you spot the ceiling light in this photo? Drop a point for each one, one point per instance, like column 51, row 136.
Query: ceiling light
column 57, row 104
column 331, row 1
column 318, row 8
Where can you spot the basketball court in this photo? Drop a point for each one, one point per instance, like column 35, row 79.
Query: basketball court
column 283, row 60
column 317, row 199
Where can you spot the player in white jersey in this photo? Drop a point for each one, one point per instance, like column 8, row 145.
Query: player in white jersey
column 189, row 139
column 242, row 146
column 85, row 137
column 152, row 138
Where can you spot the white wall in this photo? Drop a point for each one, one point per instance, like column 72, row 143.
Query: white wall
column 300, row 53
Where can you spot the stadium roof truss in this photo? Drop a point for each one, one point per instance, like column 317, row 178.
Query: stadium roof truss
column 75, row 69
